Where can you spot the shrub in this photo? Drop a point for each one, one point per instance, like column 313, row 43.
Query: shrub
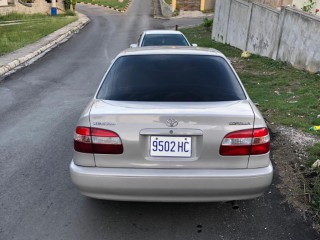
column 207, row 23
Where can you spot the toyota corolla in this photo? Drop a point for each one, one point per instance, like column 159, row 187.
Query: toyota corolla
column 171, row 124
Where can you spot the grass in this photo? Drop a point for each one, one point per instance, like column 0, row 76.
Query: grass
column 109, row 3
column 28, row 29
column 168, row 2
column 285, row 96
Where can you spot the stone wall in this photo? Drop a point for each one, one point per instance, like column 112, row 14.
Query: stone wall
column 288, row 35
column 38, row 6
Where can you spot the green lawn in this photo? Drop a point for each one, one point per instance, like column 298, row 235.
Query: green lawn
column 26, row 29
column 110, row 3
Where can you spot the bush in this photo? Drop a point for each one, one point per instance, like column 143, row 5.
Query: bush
column 207, row 22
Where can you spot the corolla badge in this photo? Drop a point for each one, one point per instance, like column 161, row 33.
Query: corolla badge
column 239, row 123
column 103, row 124
column 171, row 122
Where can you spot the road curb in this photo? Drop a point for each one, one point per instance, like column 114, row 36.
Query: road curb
column 69, row 30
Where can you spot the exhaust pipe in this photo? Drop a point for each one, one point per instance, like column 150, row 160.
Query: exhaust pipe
column 234, row 205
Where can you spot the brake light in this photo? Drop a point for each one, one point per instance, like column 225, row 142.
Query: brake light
column 246, row 142
column 96, row 140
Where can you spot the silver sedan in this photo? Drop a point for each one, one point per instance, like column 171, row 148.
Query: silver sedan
column 171, row 124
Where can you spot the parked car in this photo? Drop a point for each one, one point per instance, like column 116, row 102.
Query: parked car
column 171, row 124
column 162, row 38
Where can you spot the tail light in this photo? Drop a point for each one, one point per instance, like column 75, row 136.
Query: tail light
column 96, row 140
column 246, row 142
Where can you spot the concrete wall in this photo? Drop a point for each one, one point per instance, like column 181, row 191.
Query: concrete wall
column 288, row 35
column 237, row 24
column 221, row 21
column 166, row 9
column 38, row 6
column 273, row 3
column 299, row 42
column 262, row 37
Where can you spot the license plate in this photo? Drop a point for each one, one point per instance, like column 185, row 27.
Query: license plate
column 170, row 146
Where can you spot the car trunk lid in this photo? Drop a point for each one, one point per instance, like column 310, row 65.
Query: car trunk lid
column 145, row 126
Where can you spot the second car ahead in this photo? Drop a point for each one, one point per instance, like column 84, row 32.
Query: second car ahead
column 162, row 38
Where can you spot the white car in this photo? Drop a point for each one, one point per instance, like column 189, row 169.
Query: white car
column 162, row 38
column 171, row 124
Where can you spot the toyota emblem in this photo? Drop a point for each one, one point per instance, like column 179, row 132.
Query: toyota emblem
column 171, row 122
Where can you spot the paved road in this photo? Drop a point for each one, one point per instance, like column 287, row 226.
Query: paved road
column 39, row 107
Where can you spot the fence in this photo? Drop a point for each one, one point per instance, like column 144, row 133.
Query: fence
column 288, row 35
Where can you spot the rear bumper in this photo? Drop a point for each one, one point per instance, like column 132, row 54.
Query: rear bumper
column 171, row 185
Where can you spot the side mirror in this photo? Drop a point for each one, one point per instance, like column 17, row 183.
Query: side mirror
column 194, row 45
column 134, row 45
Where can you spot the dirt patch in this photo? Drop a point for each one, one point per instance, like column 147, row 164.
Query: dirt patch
column 238, row 63
column 241, row 66
column 290, row 158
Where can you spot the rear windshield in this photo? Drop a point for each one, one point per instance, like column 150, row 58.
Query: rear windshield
column 171, row 78
column 164, row 40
